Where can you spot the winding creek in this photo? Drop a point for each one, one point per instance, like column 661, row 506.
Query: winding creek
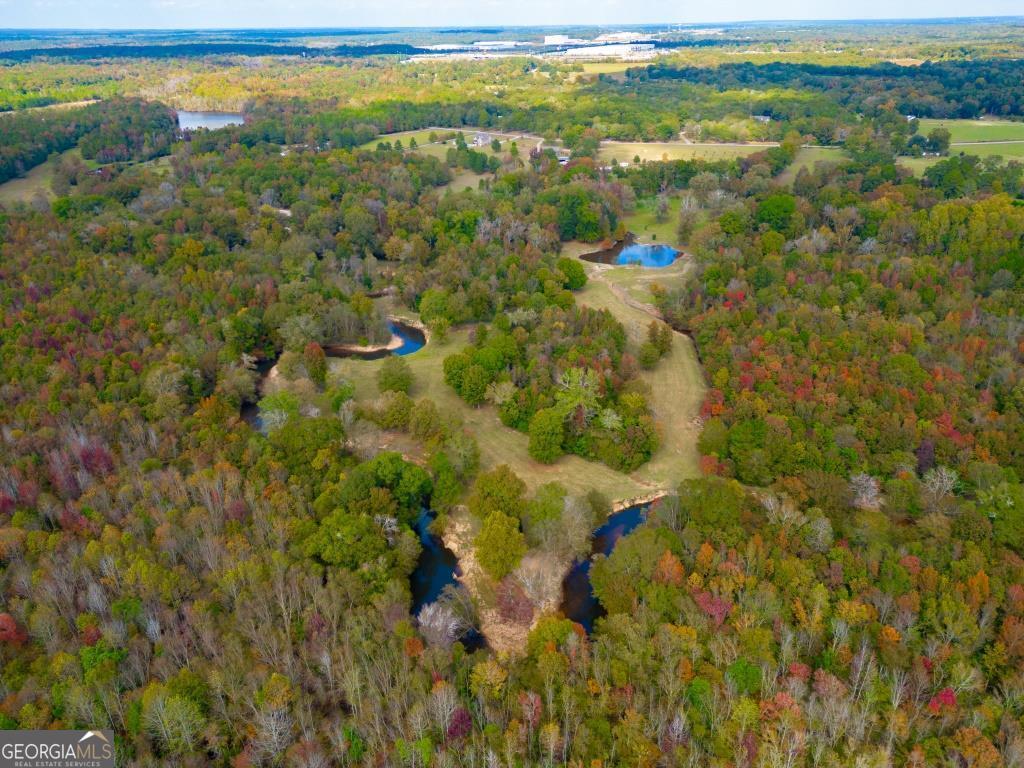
column 406, row 339
column 437, row 566
column 578, row 601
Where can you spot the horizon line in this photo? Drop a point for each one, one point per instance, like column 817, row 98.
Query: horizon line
column 454, row 28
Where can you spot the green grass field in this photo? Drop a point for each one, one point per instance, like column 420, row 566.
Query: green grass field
column 677, row 390
column 1013, row 151
column 28, row 186
column 655, row 151
column 498, row 444
column 806, row 157
column 677, row 381
column 463, row 180
column 644, row 224
column 38, row 179
column 440, row 150
column 975, row 130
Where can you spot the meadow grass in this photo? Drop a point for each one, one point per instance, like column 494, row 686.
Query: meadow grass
column 677, row 389
column 26, row 187
column 919, row 165
column 643, row 222
column 975, row 130
column 676, row 383
column 655, row 151
column 806, row 157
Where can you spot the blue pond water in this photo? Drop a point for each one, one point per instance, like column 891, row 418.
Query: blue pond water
column 647, row 255
column 578, row 601
column 412, row 338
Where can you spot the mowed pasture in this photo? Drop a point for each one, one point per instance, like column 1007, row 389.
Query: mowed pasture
column 1007, row 151
column 498, row 444
column 38, row 181
column 676, row 383
column 437, row 141
column 658, row 151
column 961, row 131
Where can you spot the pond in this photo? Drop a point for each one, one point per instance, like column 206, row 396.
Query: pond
column 628, row 251
column 191, row 121
column 578, row 601
column 413, row 339
column 647, row 255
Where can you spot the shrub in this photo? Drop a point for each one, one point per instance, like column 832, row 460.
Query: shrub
column 500, row 545
column 395, row 375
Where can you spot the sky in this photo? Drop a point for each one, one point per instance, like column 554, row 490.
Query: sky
column 195, row 14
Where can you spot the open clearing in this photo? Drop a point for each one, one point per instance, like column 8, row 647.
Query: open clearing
column 23, row 189
column 463, row 179
column 677, row 386
column 975, row 130
column 807, row 157
column 676, row 382
column 643, row 222
column 654, row 151
column 1013, row 150
column 438, row 146
column 498, row 444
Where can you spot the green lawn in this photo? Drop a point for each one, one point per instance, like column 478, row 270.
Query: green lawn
column 975, row 130
column 440, row 150
column 654, row 151
column 422, row 137
column 644, row 224
column 1014, row 150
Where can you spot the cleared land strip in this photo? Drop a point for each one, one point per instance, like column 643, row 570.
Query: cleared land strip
column 677, row 390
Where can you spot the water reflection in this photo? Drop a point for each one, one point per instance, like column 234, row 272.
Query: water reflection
column 578, row 601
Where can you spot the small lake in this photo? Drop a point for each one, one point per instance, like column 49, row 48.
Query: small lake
column 191, row 121
column 578, row 601
column 628, row 251
column 647, row 255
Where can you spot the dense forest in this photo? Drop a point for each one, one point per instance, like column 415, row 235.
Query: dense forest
column 933, row 89
column 841, row 583
column 108, row 131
